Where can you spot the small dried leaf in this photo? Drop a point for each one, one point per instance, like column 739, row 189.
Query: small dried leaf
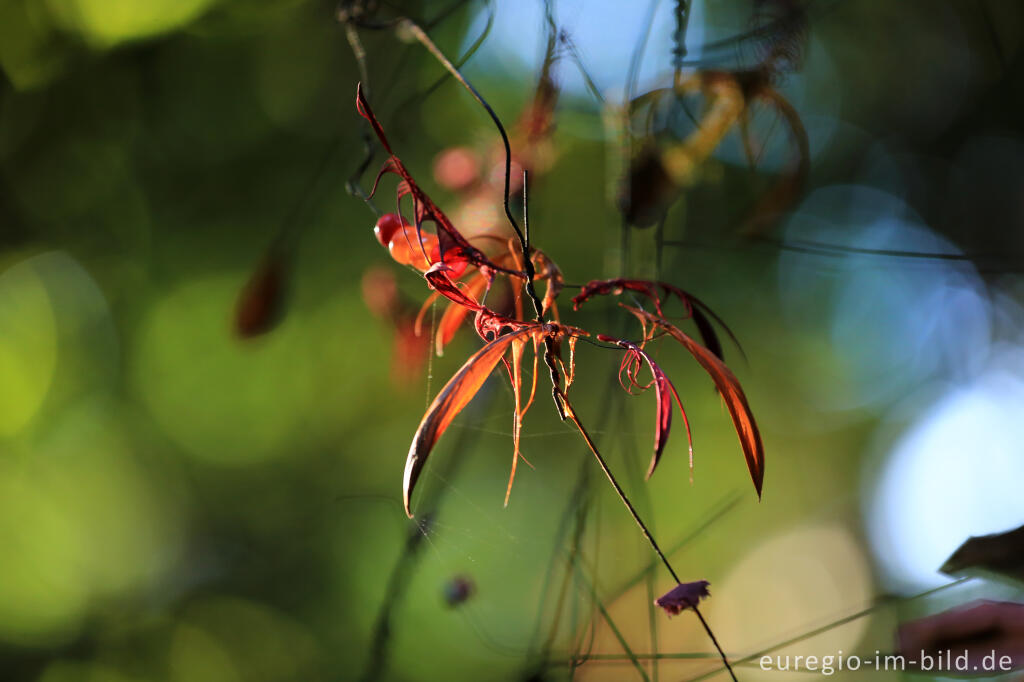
column 683, row 596
column 768, row 209
column 516, row 376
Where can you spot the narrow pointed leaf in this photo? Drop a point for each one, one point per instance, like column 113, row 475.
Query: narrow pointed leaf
column 455, row 395
column 732, row 393
column 707, row 332
column 700, row 309
column 664, row 392
column 516, row 375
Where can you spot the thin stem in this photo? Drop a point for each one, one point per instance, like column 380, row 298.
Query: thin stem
column 397, row 584
column 571, row 414
column 613, row 627
column 650, row 656
column 679, row 48
column 722, row 509
column 359, row 52
column 470, row 51
column 524, row 244
column 638, row 52
column 714, row 640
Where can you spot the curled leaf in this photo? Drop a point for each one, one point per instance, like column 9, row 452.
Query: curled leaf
column 732, row 393
column 439, row 282
column 664, row 392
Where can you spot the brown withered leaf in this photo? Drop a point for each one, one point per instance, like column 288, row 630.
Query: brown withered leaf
column 260, row 305
column 1000, row 553
column 731, row 391
column 455, row 395
column 683, row 596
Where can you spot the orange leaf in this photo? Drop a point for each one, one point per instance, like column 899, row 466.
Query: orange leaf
column 454, row 314
column 455, row 395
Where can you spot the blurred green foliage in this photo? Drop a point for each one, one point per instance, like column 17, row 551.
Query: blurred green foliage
column 179, row 504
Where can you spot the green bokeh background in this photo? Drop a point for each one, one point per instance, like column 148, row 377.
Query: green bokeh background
column 177, row 504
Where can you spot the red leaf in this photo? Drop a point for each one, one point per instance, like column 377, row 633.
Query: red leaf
column 695, row 308
column 455, row 395
column 453, row 246
column 455, row 314
column 439, row 282
column 732, row 394
column 664, row 392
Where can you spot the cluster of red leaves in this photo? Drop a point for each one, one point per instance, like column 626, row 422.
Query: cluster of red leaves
column 507, row 337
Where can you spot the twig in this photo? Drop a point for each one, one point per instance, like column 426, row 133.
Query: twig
column 524, row 244
column 420, row 35
column 571, row 414
column 611, row 624
column 679, row 39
